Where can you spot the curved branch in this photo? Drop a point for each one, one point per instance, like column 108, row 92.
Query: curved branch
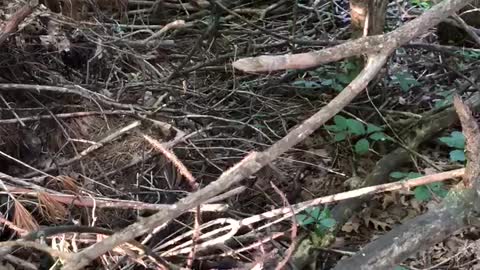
column 366, row 45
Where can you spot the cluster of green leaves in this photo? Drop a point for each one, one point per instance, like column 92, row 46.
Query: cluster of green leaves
column 422, row 4
column 421, row 193
column 456, row 140
column 336, row 79
column 318, row 217
column 404, row 80
column 344, row 128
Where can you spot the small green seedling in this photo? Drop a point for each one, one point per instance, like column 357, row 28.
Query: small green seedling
column 456, row 140
column 344, row 128
column 421, row 193
column 320, row 218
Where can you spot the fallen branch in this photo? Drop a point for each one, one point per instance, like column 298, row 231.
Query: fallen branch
column 76, row 90
column 249, row 165
column 365, row 45
column 87, row 201
column 286, row 212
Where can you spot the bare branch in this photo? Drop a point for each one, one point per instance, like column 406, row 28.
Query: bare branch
column 366, row 45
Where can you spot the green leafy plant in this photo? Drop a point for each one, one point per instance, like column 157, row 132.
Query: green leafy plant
column 329, row 76
column 422, row 4
column 320, row 218
column 349, row 70
column 421, row 193
column 344, row 127
column 405, row 80
column 456, row 140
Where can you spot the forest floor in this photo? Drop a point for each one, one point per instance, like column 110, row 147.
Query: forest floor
column 83, row 102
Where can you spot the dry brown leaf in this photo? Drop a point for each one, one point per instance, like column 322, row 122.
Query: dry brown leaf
column 351, row 227
column 378, row 224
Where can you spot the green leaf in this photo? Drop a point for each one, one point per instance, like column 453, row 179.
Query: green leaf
column 378, row 136
column 328, row 222
column 334, row 128
column 400, row 268
column 372, row 128
column 457, row 155
column 443, row 102
column 312, row 215
column 362, row 146
column 405, row 80
column 412, row 175
column 423, row 4
column 314, row 212
column 447, row 99
column 340, row 122
column 344, row 78
column 304, row 220
column 456, row 140
column 324, row 214
column 398, row 175
column 438, row 189
column 436, row 186
column 337, row 87
column 422, row 193
column 340, row 136
column 355, row 127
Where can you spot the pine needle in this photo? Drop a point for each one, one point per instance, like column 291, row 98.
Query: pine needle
column 50, row 209
column 22, row 218
column 69, row 183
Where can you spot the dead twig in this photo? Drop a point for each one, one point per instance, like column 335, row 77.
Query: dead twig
column 86, row 201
